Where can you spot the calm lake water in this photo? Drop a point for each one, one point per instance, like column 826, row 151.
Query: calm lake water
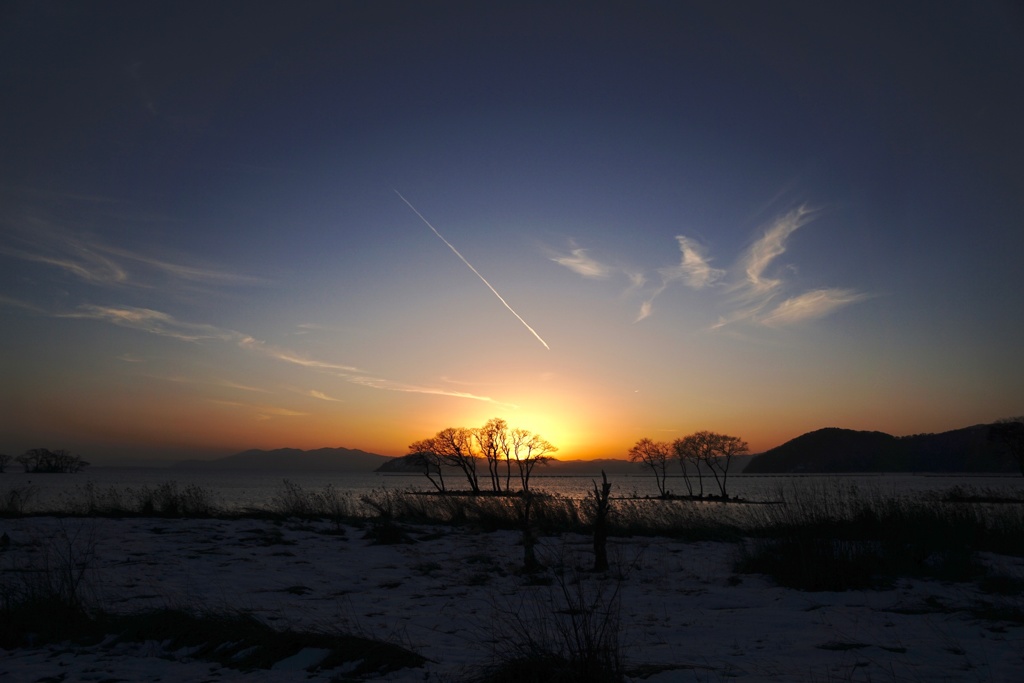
column 247, row 489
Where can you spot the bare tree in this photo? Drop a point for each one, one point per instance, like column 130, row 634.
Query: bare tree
column 45, row 461
column 529, row 450
column 524, row 505
column 493, row 443
column 423, row 453
column 712, row 450
column 694, row 449
column 723, row 449
column 455, row 447
column 4, row 461
column 655, row 455
column 1009, row 431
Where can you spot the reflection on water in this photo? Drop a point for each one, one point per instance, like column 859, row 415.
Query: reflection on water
column 245, row 489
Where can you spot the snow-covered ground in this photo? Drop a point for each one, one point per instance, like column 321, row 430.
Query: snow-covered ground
column 456, row 596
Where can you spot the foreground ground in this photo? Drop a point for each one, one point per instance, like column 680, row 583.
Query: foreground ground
column 457, row 597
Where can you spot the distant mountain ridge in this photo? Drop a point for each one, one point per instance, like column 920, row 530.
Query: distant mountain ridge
column 828, row 450
column 833, row 450
column 320, row 459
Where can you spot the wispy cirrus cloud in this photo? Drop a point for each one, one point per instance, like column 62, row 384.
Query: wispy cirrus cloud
column 579, row 262
column 165, row 325
column 94, row 261
column 646, row 308
column 289, row 356
column 322, row 396
column 270, row 412
column 758, row 289
column 389, row 385
column 75, row 259
column 259, row 412
column 23, row 305
column 694, row 268
column 744, row 313
column 748, row 293
column 152, row 321
column 811, row 305
column 214, row 382
column 183, row 271
column 240, row 387
column 307, row 328
column 770, row 246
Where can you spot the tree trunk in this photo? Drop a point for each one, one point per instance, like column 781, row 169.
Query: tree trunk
column 601, row 509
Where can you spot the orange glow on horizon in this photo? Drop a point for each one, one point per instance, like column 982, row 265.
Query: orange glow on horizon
column 175, row 420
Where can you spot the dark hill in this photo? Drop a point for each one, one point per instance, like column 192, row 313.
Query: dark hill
column 321, row 459
column 845, row 450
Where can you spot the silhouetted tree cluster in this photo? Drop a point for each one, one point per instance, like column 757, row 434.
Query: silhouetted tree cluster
column 506, row 453
column 1009, row 432
column 45, row 461
column 4, row 460
column 695, row 453
column 655, row 455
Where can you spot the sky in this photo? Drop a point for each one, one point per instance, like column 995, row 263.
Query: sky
column 242, row 225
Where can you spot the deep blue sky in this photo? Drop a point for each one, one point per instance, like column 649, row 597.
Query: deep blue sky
column 758, row 218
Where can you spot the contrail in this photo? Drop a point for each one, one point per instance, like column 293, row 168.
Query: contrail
column 482, row 279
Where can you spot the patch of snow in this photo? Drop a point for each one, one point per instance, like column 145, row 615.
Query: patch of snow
column 455, row 595
column 304, row 659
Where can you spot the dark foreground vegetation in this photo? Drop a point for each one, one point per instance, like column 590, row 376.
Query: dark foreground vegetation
column 847, row 536
column 826, row 537
column 234, row 640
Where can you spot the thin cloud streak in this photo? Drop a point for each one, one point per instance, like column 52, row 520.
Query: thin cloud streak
column 165, row 325
column 91, row 260
column 287, row 356
column 811, row 305
column 262, row 412
column 241, row 387
column 390, row 385
column 746, row 313
column 268, row 412
column 322, row 396
column 149, row 320
column 23, row 305
column 226, row 383
column 184, row 272
column 482, row 278
column 83, row 263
